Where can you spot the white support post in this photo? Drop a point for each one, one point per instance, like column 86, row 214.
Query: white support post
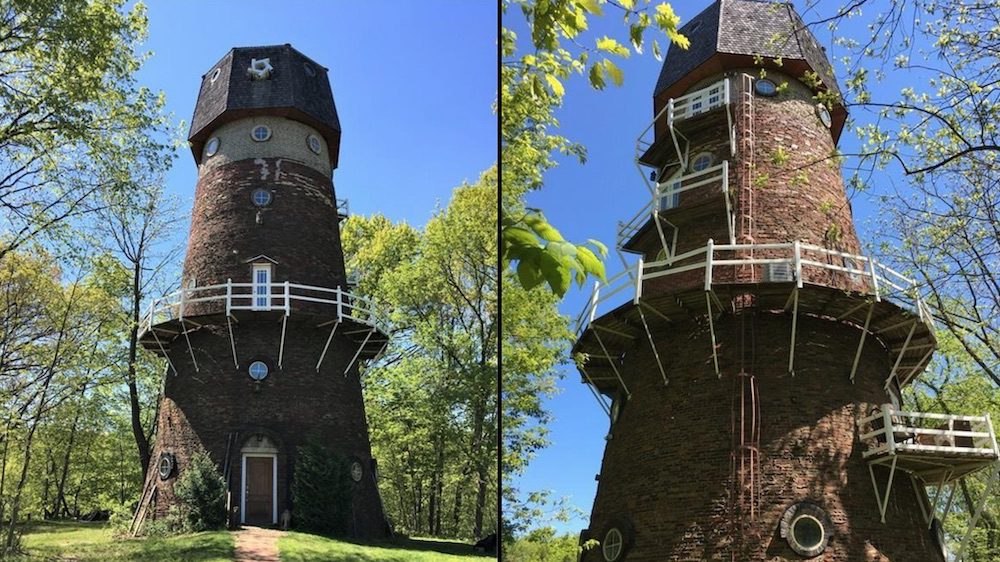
column 328, row 340
column 729, row 118
column 709, row 253
column 659, row 231
column 288, row 302
column 902, row 351
column 890, row 437
column 358, row 352
column 798, row 264
column 592, row 386
column 978, row 514
column 614, row 367
column 730, row 218
column 181, row 307
column 871, row 268
column 638, row 283
column 951, row 496
column 888, row 488
column 184, row 330
column 649, row 336
column 861, row 344
column 164, row 351
column 795, row 323
column 711, row 329
column 281, row 346
column 232, row 340
column 993, row 435
column 229, row 296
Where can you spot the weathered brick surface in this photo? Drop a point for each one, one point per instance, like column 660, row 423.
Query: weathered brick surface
column 666, row 467
column 202, row 406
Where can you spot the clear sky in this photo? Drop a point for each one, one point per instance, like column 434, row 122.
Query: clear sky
column 586, row 201
column 413, row 82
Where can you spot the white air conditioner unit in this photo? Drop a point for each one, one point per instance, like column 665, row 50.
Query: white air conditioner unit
column 778, row 273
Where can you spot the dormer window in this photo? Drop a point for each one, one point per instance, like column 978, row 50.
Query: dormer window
column 260, row 69
column 261, row 286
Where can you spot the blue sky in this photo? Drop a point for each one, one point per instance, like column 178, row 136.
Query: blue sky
column 586, row 201
column 413, row 82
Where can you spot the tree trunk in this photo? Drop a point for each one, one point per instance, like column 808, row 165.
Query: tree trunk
column 61, row 489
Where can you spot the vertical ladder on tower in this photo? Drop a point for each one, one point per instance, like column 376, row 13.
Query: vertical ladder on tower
column 745, row 173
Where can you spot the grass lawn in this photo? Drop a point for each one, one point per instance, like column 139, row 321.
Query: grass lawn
column 93, row 542
column 302, row 547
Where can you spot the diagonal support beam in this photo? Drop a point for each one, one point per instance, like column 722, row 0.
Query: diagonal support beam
column 795, row 324
column 358, row 352
column 164, row 351
column 711, row 329
column 902, row 352
column 281, row 346
column 232, row 340
column 326, row 346
column 979, row 512
column 592, row 386
column 861, row 344
column 656, row 354
column 883, row 501
column 611, row 361
column 188, row 340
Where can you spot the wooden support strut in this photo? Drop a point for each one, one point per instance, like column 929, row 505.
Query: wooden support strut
column 358, row 352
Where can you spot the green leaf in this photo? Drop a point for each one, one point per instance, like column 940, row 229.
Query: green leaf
column 612, row 46
column 556, row 274
column 529, row 271
column 590, row 262
column 597, row 76
column 542, row 228
column 520, row 236
column 599, row 245
column 591, row 6
column 616, row 73
column 556, row 85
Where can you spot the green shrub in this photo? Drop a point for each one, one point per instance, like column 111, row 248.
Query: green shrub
column 202, row 493
column 322, row 490
column 174, row 523
column 120, row 519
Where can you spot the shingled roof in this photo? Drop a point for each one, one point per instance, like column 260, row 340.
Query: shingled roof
column 745, row 27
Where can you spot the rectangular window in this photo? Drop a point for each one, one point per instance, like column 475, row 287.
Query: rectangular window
column 261, row 286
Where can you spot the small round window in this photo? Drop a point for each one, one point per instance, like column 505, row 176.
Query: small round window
column 261, row 197
column 215, row 75
column 308, row 68
column 356, row 471
column 824, row 115
column 261, row 133
column 166, row 466
column 807, row 532
column 611, row 548
column 258, row 370
column 765, row 88
column 314, row 144
column 807, row 528
column 212, row 146
column 701, row 162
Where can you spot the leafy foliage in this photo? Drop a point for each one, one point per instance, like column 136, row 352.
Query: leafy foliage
column 322, row 490
column 531, row 91
column 543, row 545
column 202, row 493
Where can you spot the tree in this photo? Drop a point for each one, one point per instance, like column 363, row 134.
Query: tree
column 202, row 493
column 72, row 119
column 531, row 91
column 322, row 489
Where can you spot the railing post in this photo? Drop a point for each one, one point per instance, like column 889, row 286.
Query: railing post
column 709, row 252
column 670, row 112
column 993, row 435
column 288, row 304
column 593, row 300
column 890, row 438
column 871, row 267
column 725, row 90
column 229, row 296
column 182, row 303
column 638, row 282
column 340, row 304
column 798, row 263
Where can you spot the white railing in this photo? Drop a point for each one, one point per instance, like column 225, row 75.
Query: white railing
column 718, row 259
column 710, row 97
column 667, row 190
column 279, row 296
column 894, row 432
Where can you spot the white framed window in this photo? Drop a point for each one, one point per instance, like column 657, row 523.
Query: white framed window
column 308, row 68
column 824, row 115
column 261, row 197
column 215, row 75
column 852, row 264
column 314, row 144
column 260, row 69
column 212, row 146
column 807, row 532
column 611, row 548
column 670, row 196
column 701, row 161
column 261, row 286
column 261, row 133
column 764, row 87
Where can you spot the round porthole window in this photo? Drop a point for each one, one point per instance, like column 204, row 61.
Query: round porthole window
column 215, row 75
column 308, row 68
column 611, row 548
column 261, row 197
column 701, row 161
column 314, row 144
column 807, row 528
column 165, row 467
column 261, row 133
column 212, row 146
column 824, row 115
column 357, row 471
column 765, row 87
column 258, row 370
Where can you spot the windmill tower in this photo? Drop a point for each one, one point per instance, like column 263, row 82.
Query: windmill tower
column 264, row 337
column 751, row 360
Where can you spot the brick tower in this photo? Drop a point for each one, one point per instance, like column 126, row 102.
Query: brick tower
column 752, row 374
column 264, row 338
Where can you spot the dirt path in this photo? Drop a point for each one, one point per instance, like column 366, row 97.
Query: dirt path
column 254, row 544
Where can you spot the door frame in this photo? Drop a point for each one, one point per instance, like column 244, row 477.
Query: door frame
column 274, row 486
column 265, row 267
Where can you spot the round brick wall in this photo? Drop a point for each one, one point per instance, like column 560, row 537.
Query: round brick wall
column 667, row 465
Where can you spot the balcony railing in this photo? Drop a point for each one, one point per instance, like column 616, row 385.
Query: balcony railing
column 283, row 297
column 710, row 97
column 894, row 432
column 667, row 197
